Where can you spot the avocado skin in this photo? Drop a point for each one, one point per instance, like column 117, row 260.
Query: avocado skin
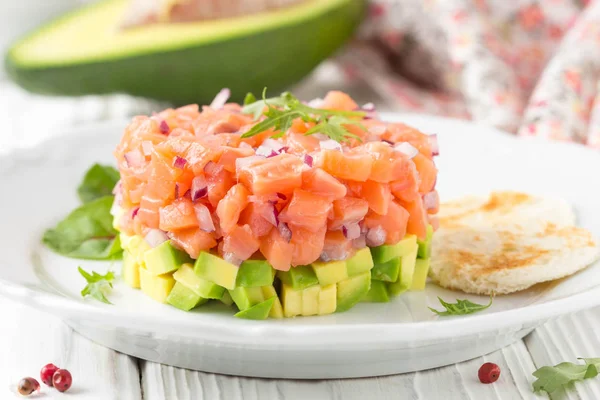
column 275, row 59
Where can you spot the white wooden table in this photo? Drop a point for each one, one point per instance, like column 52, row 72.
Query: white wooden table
column 30, row 339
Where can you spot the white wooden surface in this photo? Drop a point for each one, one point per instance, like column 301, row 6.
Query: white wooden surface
column 30, row 339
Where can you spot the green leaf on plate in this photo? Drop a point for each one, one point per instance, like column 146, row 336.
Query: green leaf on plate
column 86, row 233
column 563, row 375
column 98, row 286
column 461, row 307
column 99, row 181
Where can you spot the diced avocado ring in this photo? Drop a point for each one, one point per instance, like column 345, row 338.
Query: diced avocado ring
column 291, row 301
column 201, row 287
column 405, row 278
column 352, row 290
column 328, row 299
column 420, row 275
column 164, row 258
column 157, row 287
column 136, row 245
column 216, row 270
column 299, row 277
column 425, row 245
column 385, row 253
column 276, row 310
column 388, row 271
column 259, row 311
column 184, row 298
column 310, row 301
column 226, row 298
column 378, row 293
column 362, row 261
column 130, row 271
column 330, row 272
column 245, row 298
column 255, row 273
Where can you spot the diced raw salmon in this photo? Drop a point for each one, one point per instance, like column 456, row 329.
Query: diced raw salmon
column 193, row 241
column 427, row 173
column 218, row 183
column 231, row 206
column 178, row 215
column 308, row 245
column 306, row 210
column 348, row 210
column 256, row 215
column 279, row 174
column 399, row 133
column 336, row 246
column 317, row 181
column 352, row 166
column 277, row 250
column 336, row 100
column 230, row 154
column 417, row 220
column 394, row 222
column 407, row 187
column 241, row 242
column 300, row 143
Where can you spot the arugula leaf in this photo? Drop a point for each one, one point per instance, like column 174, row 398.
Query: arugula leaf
column 249, row 99
column 98, row 285
column 99, row 181
column 560, row 376
column 461, row 307
column 86, row 233
column 281, row 112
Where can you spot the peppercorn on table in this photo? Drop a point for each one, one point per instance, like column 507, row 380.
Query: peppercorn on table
column 31, row 339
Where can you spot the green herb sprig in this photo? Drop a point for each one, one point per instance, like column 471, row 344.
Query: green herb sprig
column 283, row 110
column 461, row 307
column 564, row 375
column 98, row 286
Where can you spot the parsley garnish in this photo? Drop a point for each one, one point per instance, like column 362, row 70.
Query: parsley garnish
column 98, row 285
column 563, row 375
column 282, row 111
column 461, row 307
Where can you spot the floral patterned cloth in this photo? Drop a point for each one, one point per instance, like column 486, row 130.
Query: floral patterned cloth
column 531, row 67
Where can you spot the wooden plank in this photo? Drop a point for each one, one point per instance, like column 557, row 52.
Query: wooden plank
column 30, row 339
column 566, row 339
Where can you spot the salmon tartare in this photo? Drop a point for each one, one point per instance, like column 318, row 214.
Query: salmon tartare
column 278, row 207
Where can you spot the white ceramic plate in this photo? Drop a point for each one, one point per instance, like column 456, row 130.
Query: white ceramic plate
column 38, row 188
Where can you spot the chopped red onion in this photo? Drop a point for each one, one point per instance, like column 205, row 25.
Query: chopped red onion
column 351, row 230
column 268, row 147
column 164, row 127
column 360, row 242
column 244, row 145
column 212, row 168
column 308, row 160
column 243, row 162
column 271, row 215
column 273, row 154
column 376, row 237
column 281, row 196
column 199, row 188
column 135, row 212
column 388, row 142
column 285, row 231
column 220, row 99
column 284, row 149
column 330, row 145
column 147, row 147
column 179, row 162
column 232, row 259
column 368, row 107
column 154, row 237
column 407, row 149
column 378, row 130
column 430, row 200
column 316, row 103
column 134, row 158
column 434, row 144
column 204, row 218
column 117, row 188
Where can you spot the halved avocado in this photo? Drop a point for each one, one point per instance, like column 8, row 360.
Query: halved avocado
column 85, row 52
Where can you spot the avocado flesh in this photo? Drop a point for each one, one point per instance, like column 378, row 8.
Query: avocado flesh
column 360, row 262
column 156, row 287
column 277, row 310
column 85, row 53
column 407, row 270
column 387, row 271
column 245, row 298
column 255, row 273
column 310, row 300
column 203, row 288
column 352, row 290
column 315, row 300
column 330, row 272
column 226, row 298
column 216, row 270
column 425, row 245
column 420, row 275
column 378, row 293
column 184, row 298
column 258, row 312
column 164, row 258
column 299, row 277
column 131, row 270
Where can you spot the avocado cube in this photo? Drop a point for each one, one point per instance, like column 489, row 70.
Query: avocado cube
column 136, row 246
column 130, row 271
column 328, row 299
column 330, row 272
column 255, row 273
column 387, row 271
column 269, row 292
column 425, row 245
column 216, row 270
column 291, row 300
column 226, row 298
column 362, row 261
column 352, row 290
column 310, row 300
column 299, row 277
column 378, row 293
column 245, row 298
column 259, row 311
column 184, row 298
column 157, row 287
column 407, row 270
column 164, row 258
column 385, row 253
column 420, row 275
column 201, row 287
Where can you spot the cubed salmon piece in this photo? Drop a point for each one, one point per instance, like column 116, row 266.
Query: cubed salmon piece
column 336, row 100
column 348, row 210
column 394, row 222
column 178, row 215
column 317, row 181
column 417, row 221
column 306, row 210
column 241, row 242
column 231, row 206
column 378, row 196
column 279, row 174
column 308, row 245
column 193, row 241
column 427, row 173
column 256, row 215
column 355, row 166
column 277, row 250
